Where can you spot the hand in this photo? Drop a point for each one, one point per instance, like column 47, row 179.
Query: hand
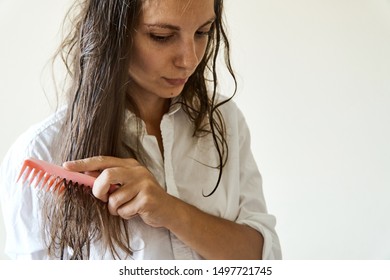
column 138, row 193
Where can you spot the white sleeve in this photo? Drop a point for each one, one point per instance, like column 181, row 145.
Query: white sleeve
column 20, row 203
column 253, row 209
column 20, row 210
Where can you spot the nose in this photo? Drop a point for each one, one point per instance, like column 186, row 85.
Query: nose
column 187, row 56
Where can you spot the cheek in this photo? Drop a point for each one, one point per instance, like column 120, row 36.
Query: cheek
column 145, row 61
column 201, row 51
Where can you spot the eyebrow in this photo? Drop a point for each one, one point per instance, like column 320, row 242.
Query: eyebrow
column 174, row 27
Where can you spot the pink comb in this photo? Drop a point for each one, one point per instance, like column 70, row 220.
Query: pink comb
column 50, row 175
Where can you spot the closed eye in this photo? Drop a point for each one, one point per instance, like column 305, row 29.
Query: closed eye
column 203, row 33
column 206, row 30
column 160, row 38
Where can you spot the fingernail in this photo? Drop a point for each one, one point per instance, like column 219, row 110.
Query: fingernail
column 68, row 164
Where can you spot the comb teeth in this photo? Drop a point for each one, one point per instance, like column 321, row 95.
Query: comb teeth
column 26, row 170
column 48, row 176
column 52, row 182
column 37, row 177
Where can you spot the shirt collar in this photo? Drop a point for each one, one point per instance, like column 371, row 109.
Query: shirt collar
column 176, row 104
column 131, row 125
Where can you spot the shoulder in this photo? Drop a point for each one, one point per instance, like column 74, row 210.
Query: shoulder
column 232, row 114
column 229, row 107
column 37, row 141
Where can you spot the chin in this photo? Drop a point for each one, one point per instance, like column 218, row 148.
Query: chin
column 174, row 93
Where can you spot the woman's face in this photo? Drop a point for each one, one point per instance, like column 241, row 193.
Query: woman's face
column 169, row 43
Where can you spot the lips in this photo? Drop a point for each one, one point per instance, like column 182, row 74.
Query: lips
column 176, row 82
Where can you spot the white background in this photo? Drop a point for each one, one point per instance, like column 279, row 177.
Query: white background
column 315, row 87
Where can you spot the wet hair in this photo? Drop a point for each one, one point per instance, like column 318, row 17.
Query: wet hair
column 96, row 53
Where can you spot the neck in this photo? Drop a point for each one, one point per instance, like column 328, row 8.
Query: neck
column 152, row 112
column 150, row 108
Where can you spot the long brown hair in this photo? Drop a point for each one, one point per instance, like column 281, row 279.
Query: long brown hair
column 96, row 53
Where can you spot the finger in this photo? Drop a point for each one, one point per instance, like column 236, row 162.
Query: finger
column 105, row 183
column 98, row 163
column 124, row 196
column 128, row 210
column 92, row 173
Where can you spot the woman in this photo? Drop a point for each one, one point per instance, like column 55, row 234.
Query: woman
column 143, row 115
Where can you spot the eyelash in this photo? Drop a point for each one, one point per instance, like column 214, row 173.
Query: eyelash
column 166, row 38
column 160, row 38
column 204, row 33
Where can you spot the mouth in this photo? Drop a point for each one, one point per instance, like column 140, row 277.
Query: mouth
column 176, row 82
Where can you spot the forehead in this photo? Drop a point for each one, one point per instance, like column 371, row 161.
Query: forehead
column 177, row 11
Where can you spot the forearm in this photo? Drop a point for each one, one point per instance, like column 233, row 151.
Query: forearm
column 213, row 237
column 140, row 194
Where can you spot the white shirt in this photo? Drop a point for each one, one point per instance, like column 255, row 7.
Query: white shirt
column 184, row 171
